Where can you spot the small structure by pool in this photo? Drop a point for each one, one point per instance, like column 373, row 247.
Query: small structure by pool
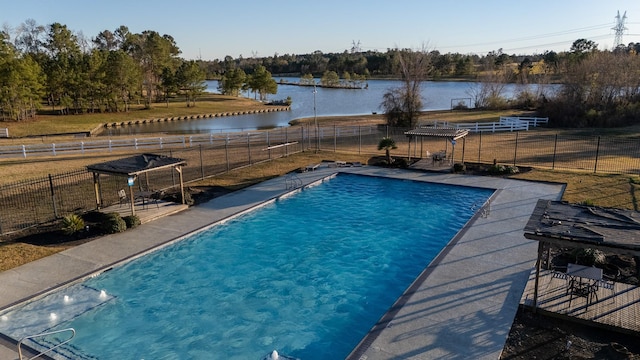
column 451, row 134
column 131, row 168
column 617, row 231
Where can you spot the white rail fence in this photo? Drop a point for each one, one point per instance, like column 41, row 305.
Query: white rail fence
column 4, row 133
column 111, row 145
column 266, row 138
column 505, row 124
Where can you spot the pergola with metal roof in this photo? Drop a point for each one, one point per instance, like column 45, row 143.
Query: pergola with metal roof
column 131, row 168
column 579, row 226
column 452, row 134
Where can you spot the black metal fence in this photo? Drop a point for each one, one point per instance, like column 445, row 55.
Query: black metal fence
column 31, row 202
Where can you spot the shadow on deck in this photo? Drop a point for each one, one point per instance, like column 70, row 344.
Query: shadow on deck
column 147, row 211
column 616, row 307
column 429, row 164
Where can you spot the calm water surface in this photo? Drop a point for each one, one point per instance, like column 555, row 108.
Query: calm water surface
column 308, row 275
column 437, row 95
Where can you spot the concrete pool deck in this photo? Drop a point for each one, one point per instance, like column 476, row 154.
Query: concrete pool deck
column 462, row 306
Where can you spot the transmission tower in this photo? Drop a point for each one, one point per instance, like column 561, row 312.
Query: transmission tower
column 355, row 47
column 619, row 28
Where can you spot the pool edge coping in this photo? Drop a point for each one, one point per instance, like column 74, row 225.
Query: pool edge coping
column 317, row 176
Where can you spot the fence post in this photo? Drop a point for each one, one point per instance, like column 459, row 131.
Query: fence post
column 82, row 147
column 201, row 162
column 53, row 149
column 268, row 145
column 226, row 150
column 479, row 147
column 173, row 177
column 24, row 151
column 135, row 143
column 555, row 147
column 110, row 145
column 161, row 144
column 595, row 166
column 515, row 151
column 249, row 146
column 464, row 142
column 53, row 197
column 302, row 138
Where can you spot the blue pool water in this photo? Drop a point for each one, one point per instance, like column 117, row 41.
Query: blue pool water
column 307, row 275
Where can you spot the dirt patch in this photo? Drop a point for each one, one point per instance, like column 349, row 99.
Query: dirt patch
column 535, row 336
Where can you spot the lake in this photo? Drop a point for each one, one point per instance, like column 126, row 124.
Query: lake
column 437, row 95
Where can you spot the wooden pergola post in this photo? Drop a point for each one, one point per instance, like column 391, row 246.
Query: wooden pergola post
column 538, row 263
column 96, row 188
column 131, row 198
column 179, row 170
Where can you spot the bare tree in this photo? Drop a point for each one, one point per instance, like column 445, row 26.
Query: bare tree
column 600, row 89
column 496, row 73
column 402, row 105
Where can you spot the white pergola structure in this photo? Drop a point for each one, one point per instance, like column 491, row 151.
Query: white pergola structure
column 451, row 134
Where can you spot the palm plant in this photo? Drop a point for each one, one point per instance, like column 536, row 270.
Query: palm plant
column 72, row 224
column 387, row 144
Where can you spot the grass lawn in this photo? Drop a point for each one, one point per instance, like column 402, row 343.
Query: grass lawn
column 48, row 122
column 601, row 190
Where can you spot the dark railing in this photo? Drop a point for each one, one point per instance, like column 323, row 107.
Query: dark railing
column 36, row 201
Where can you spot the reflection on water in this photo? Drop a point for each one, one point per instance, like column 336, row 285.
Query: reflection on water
column 437, row 95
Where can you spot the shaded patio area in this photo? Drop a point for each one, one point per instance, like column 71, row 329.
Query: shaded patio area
column 583, row 295
column 146, row 212
column 616, row 308
column 136, row 190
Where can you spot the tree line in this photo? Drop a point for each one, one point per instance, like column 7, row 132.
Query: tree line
column 53, row 66
column 58, row 68
column 596, row 88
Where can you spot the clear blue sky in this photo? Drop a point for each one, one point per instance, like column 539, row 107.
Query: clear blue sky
column 212, row 29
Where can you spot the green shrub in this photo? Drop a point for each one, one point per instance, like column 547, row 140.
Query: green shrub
column 113, row 223
column 587, row 202
column 131, row 221
column 459, row 167
column 72, row 224
column 400, row 163
column 188, row 199
column 497, row 169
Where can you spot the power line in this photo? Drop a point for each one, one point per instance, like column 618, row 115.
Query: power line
column 535, row 37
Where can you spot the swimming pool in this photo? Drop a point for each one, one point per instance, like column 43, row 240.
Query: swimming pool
column 307, row 275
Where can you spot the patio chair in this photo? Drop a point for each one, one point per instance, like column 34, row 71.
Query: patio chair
column 157, row 196
column 122, row 196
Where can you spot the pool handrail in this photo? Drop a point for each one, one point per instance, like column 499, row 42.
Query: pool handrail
column 73, row 334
